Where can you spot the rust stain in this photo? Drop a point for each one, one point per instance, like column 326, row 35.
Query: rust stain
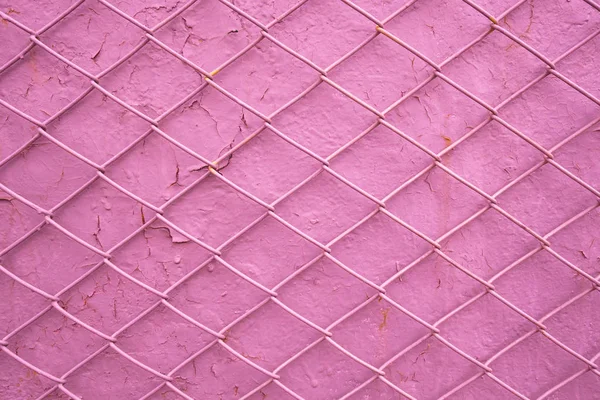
column 447, row 140
column 384, row 313
column 32, row 62
column 250, row 356
column 446, row 188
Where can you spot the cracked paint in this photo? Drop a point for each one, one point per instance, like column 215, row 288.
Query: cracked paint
column 215, row 127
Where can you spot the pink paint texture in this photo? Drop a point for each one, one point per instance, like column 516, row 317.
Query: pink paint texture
column 448, row 250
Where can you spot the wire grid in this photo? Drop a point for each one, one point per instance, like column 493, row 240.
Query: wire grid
column 212, row 169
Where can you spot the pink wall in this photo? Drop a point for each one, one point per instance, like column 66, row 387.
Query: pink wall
column 506, row 306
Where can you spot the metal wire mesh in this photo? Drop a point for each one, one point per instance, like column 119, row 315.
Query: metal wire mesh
column 424, row 334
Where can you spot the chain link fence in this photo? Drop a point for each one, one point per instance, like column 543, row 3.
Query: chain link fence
column 221, row 199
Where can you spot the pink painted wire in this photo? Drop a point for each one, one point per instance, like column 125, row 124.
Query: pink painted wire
column 270, row 208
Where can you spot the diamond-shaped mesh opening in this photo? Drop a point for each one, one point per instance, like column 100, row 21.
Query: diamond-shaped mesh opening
column 541, row 24
column 10, row 141
column 423, row 23
column 419, row 370
column 495, row 68
column 153, row 85
column 209, row 124
column 97, row 49
column 255, row 199
column 41, row 96
column 208, row 33
column 56, row 335
column 312, row 31
column 435, row 116
column 50, row 182
column 277, row 77
column 536, row 350
column 380, row 71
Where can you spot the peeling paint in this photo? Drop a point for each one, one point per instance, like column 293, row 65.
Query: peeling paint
column 213, row 126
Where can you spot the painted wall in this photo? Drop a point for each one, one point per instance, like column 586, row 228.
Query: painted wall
column 339, row 235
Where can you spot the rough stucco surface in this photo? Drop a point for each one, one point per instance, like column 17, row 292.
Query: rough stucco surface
column 266, row 77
